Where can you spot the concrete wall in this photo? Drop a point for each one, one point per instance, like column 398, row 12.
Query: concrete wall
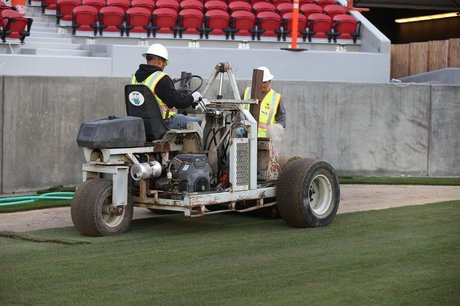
column 360, row 128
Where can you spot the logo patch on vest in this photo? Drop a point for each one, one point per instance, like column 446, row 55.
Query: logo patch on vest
column 136, row 98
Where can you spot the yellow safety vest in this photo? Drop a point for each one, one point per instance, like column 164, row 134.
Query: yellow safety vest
column 151, row 82
column 268, row 107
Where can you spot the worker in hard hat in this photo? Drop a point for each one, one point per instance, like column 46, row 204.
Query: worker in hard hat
column 272, row 115
column 169, row 98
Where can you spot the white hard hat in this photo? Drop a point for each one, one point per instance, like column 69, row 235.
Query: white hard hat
column 157, row 50
column 267, row 75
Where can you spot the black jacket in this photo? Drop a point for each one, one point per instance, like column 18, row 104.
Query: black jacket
column 165, row 88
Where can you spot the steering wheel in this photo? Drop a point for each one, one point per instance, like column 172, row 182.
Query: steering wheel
column 186, row 83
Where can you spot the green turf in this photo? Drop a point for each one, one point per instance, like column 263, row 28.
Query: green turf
column 401, row 256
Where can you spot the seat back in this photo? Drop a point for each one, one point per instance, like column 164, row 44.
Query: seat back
column 84, row 18
column 111, row 19
column 263, row 6
column 64, row 9
column 164, row 19
column 243, row 23
column 216, row 22
column 216, row 5
column 319, row 25
column 346, row 27
column 189, row 22
column 239, row 6
column 148, row 4
column 334, row 9
column 137, row 20
column 123, row 4
column 308, row 9
column 269, row 23
column 140, row 102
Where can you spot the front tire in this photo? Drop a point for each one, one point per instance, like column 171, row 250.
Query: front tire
column 308, row 193
column 92, row 211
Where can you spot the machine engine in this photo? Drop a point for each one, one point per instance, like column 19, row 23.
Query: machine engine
column 191, row 173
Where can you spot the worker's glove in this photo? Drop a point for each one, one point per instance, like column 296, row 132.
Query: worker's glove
column 275, row 132
column 202, row 105
column 196, row 96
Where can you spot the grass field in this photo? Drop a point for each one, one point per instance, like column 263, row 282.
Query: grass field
column 401, row 256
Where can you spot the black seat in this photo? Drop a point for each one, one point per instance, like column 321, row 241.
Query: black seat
column 140, row 102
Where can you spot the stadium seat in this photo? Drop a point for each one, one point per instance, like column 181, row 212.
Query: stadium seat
column 111, row 19
column 148, row 4
column 84, row 18
column 268, row 24
column 239, row 6
column 308, row 9
column 98, row 4
column 284, row 8
column 302, row 2
column 318, row 26
column 242, row 23
column 259, row 1
column 64, row 10
column 276, row 2
column 216, row 5
column 190, row 21
column 138, row 21
column 345, row 26
column 48, row 5
column 171, row 4
column 263, row 7
column 216, row 22
column 191, row 4
column 163, row 21
column 14, row 25
column 123, row 4
column 323, row 3
column 287, row 25
column 334, row 9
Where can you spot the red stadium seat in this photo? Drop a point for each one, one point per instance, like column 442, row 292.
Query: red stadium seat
column 111, row 19
column 345, row 26
column 323, row 3
column 243, row 23
column 239, row 6
column 276, row 2
column 138, row 21
column 14, row 25
column 308, row 9
column 148, row 4
column 287, row 25
column 98, row 4
column 64, row 10
column 263, row 7
column 190, row 21
column 191, row 4
column 216, row 22
column 302, row 2
column 318, row 26
column 48, row 5
column 284, row 8
column 334, row 9
column 84, row 18
column 215, row 5
column 171, row 4
column 268, row 24
column 123, row 4
column 164, row 20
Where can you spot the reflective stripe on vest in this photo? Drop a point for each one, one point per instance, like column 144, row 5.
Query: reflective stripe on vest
column 151, row 82
column 268, row 107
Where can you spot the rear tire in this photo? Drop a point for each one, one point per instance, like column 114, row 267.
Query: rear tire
column 92, row 213
column 308, row 193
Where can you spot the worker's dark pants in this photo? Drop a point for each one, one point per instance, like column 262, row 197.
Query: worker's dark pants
column 179, row 121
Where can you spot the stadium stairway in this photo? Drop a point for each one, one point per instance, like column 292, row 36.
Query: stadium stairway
column 46, row 38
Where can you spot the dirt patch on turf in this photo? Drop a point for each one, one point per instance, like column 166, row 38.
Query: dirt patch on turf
column 352, row 198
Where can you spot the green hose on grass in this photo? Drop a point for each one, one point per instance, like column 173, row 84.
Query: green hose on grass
column 15, row 200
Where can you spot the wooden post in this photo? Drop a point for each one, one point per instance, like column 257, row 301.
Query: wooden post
column 256, row 92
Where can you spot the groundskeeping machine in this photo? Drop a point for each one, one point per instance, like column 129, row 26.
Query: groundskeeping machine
column 224, row 167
